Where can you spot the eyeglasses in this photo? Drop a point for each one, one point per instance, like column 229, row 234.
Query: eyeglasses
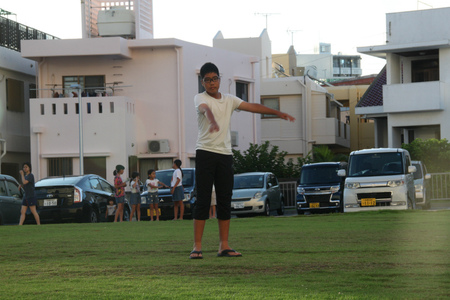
column 209, row 80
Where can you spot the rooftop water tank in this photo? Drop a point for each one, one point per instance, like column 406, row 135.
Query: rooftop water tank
column 117, row 21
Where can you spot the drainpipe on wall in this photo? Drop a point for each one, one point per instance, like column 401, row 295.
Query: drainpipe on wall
column 181, row 140
column 3, row 153
column 305, row 117
column 38, row 131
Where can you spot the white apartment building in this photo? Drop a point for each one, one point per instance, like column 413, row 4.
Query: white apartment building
column 136, row 99
column 415, row 100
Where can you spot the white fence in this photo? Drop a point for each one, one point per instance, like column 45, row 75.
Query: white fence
column 440, row 186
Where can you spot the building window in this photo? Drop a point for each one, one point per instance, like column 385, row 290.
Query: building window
column 88, row 107
column 111, row 107
column 32, row 90
column 95, row 165
column 66, row 109
column 42, row 109
column 88, row 84
column 272, row 103
column 242, row 90
column 15, row 99
column 60, row 166
column 54, row 108
column 100, row 107
column 425, row 70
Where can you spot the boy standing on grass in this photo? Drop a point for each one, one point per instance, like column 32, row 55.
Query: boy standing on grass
column 214, row 160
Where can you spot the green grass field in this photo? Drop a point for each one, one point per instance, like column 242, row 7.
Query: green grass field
column 376, row 255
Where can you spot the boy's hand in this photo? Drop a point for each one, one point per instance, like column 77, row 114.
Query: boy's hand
column 286, row 116
column 213, row 127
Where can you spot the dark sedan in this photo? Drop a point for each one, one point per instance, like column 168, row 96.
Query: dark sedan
column 81, row 198
column 165, row 197
column 10, row 200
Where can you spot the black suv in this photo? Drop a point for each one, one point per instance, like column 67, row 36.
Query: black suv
column 320, row 188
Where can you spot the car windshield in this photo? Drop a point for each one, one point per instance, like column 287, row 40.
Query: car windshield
column 418, row 173
column 322, row 174
column 166, row 177
column 375, row 164
column 248, row 182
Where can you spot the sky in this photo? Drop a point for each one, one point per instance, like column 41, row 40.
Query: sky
column 346, row 24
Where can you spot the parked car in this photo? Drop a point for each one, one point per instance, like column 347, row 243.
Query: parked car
column 10, row 200
column 422, row 184
column 165, row 197
column 379, row 179
column 81, row 198
column 320, row 188
column 256, row 193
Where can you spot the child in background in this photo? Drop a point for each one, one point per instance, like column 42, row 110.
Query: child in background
column 212, row 210
column 135, row 199
column 153, row 184
column 177, row 190
column 119, row 185
column 110, row 211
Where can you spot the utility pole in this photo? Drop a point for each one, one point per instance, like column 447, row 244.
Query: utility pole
column 266, row 15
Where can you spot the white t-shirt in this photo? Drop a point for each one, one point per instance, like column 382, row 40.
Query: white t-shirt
column 176, row 174
column 152, row 182
column 135, row 189
column 222, row 109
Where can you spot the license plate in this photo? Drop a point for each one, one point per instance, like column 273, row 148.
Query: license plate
column 154, row 212
column 238, row 205
column 314, row 205
column 50, row 202
column 368, row 202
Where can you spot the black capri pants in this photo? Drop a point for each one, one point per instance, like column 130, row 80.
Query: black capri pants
column 213, row 168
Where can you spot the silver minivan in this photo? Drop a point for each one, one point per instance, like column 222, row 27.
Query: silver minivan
column 377, row 179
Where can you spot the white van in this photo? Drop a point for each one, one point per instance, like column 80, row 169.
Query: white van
column 379, row 179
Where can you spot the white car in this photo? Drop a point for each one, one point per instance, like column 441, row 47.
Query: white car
column 422, row 184
column 379, row 179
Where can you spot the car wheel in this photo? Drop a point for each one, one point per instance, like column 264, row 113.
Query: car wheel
column 266, row 208
column 91, row 216
column 300, row 212
column 280, row 211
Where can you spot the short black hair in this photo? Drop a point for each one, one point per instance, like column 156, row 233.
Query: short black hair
column 134, row 175
column 28, row 164
column 209, row 68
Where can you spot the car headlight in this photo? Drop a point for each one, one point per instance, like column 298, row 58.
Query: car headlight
column 258, row 195
column 334, row 189
column 394, row 183
column 187, row 197
column 353, row 185
column 300, row 190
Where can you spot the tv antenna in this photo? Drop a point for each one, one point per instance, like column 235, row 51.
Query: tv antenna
column 266, row 15
column 291, row 31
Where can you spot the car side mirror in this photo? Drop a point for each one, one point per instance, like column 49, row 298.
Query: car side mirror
column 412, row 169
column 269, row 185
column 427, row 176
column 342, row 173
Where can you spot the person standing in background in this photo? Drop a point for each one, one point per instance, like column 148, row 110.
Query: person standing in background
column 29, row 198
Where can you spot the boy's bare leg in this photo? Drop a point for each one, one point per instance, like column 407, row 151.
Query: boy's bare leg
column 224, row 229
column 199, row 226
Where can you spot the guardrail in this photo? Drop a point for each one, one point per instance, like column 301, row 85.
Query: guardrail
column 440, row 186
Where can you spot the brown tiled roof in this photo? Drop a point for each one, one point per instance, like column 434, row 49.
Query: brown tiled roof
column 374, row 94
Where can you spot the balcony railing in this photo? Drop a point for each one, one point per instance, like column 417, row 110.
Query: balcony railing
column 11, row 33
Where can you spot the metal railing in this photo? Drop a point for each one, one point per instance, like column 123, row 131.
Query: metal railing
column 11, row 33
column 289, row 190
column 440, row 186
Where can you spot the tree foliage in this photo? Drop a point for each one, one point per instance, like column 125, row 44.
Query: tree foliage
column 323, row 154
column 267, row 158
column 434, row 153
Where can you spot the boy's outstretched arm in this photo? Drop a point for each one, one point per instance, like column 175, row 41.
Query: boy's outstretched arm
column 204, row 109
column 261, row 109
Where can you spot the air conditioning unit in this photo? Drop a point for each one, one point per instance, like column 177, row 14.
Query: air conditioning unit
column 158, row 146
column 234, row 139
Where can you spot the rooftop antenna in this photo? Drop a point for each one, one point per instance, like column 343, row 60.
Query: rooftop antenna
column 292, row 35
column 266, row 15
column 420, row 2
